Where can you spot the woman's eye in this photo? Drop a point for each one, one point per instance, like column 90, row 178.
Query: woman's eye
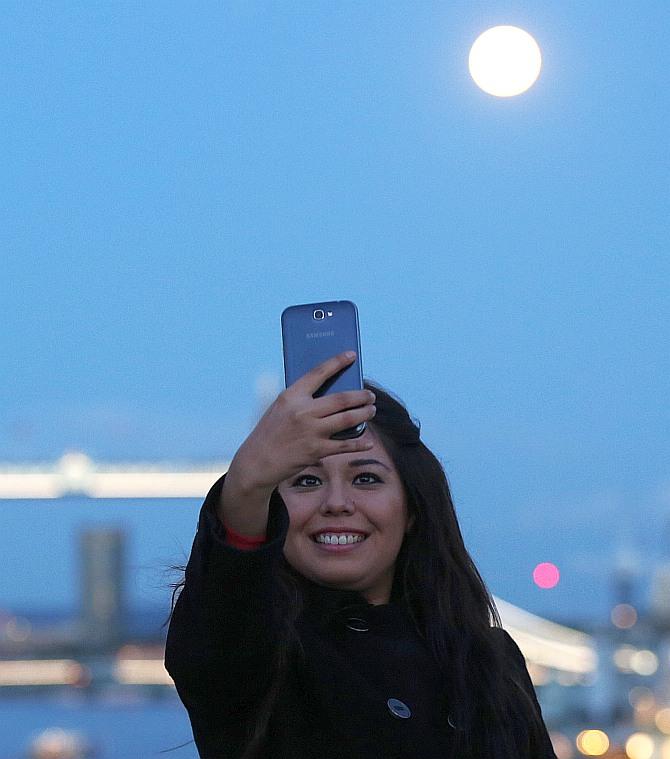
column 300, row 479
column 304, row 477
column 369, row 474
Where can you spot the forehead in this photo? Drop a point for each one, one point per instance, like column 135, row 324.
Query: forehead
column 360, row 458
column 351, row 463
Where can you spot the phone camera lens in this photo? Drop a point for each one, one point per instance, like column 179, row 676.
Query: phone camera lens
column 318, row 314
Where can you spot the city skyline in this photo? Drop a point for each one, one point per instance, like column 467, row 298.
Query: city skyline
column 75, row 475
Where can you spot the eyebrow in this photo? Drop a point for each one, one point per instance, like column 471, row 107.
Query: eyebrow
column 357, row 462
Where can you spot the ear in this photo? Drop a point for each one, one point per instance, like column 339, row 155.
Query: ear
column 410, row 523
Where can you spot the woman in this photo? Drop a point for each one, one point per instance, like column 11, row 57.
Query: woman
column 329, row 606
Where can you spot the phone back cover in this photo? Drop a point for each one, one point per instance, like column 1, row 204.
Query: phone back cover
column 308, row 342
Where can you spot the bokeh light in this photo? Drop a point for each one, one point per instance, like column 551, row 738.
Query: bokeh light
column 562, row 745
column 662, row 720
column 546, row 575
column 640, row 746
column 641, row 697
column 623, row 616
column 592, row 742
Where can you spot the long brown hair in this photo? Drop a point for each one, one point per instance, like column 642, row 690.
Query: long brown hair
column 443, row 591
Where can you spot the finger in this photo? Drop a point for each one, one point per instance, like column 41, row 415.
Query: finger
column 346, row 419
column 314, row 378
column 347, row 446
column 331, row 404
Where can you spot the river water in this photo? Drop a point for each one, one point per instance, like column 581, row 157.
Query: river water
column 137, row 728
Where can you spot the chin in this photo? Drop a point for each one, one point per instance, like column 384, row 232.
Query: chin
column 339, row 577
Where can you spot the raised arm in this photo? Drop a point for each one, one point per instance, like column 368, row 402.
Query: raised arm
column 220, row 641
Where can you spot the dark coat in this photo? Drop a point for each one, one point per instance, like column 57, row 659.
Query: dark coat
column 369, row 688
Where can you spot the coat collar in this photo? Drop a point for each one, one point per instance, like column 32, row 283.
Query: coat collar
column 330, row 600
column 325, row 604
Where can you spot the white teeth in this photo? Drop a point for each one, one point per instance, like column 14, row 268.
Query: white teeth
column 339, row 539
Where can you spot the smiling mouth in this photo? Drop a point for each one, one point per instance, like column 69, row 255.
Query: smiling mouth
column 336, row 547
column 341, row 538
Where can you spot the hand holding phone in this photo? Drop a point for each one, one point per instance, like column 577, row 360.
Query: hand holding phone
column 296, row 430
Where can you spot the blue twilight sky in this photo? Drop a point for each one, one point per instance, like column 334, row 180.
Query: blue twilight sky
column 174, row 176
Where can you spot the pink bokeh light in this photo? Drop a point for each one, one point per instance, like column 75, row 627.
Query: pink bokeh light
column 546, row 575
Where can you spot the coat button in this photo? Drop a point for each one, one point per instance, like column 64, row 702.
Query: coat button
column 398, row 709
column 357, row 624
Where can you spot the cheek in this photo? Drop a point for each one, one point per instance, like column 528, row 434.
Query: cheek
column 297, row 531
column 389, row 516
column 296, row 550
column 298, row 518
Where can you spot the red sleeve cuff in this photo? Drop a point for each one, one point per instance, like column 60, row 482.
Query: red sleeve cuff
column 245, row 542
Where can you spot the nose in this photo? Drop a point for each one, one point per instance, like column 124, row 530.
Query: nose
column 336, row 500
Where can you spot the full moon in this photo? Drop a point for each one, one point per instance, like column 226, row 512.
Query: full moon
column 505, row 61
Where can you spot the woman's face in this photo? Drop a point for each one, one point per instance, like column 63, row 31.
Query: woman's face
column 348, row 492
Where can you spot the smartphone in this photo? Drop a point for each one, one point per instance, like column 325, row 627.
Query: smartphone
column 314, row 332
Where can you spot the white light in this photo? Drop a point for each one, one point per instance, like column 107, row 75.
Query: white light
column 505, row 61
column 640, row 746
column 644, row 662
